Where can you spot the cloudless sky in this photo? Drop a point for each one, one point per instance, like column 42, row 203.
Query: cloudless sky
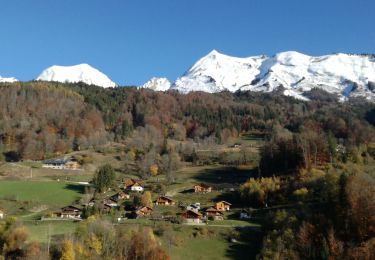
column 134, row 40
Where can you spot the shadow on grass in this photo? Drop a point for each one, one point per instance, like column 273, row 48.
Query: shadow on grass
column 225, row 175
column 249, row 245
column 187, row 191
column 76, row 187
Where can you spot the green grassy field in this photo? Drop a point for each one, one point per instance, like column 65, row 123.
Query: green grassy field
column 214, row 244
column 39, row 231
column 51, row 193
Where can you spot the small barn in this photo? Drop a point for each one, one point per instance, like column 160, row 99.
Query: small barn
column 133, row 185
column 223, row 205
column 121, row 196
column 202, row 188
column 71, row 212
column 143, row 212
column 215, row 214
column 165, row 201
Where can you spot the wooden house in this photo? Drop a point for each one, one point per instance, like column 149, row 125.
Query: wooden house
column 165, row 201
column 143, row 212
column 202, row 188
column 133, row 185
column 71, row 212
column 214, row 213
column 121, row 196
column 223, row 205
column 191, row 216
column 72, row 165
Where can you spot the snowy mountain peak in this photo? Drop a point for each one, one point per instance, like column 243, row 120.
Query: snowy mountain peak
column 8, row 79
column 76, row 73
column 157, row 84
column 342, row 74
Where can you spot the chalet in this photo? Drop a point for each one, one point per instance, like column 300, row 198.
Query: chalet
column 202, row 188
column 223, row 205
column 1, row 213
column 191, row 216
column 70, row 212
column 143, row 212
column 133, row 185
column 163, row 200
column 61, row 164
column 121, row 196
column 72, row 165
column 214, row 213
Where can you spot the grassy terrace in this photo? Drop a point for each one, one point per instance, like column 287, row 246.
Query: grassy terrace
column 41, row 230
column 27, row 198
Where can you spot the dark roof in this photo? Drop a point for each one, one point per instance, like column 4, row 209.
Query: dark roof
column 225, row 202
column 164, row 197
column 70, row 208
column 55, row 161
column 204, row 185
column 110, row 199
column 193, row 212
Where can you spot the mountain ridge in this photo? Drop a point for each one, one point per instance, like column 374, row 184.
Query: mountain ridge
column 347, row 75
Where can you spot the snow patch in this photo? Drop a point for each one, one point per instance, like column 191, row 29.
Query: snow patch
column 157, row 84
column 8, row 79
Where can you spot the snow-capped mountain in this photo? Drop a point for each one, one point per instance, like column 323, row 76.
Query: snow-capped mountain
column 8, row 79
column 157, row 84
column 342, row 74
column 77, row 73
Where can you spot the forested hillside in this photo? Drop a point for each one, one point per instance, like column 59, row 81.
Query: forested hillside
column 40, row 119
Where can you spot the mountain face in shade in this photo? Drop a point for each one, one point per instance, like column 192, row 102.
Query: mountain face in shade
column 77, row 73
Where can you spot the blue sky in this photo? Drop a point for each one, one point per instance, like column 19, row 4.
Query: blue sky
column 132, row 41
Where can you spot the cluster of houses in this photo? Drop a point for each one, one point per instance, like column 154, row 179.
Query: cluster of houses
column 105, row 205
column 215, row 212
column 191, row 212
